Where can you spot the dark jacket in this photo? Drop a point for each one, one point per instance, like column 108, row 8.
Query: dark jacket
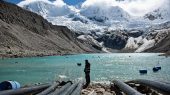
column 87, row 67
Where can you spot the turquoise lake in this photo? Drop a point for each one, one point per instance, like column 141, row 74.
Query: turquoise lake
column 104, row 67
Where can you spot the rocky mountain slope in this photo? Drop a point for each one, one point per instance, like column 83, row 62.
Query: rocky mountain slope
column 108, row 27
column 84, row 19
column 23, row 33
column 162, row 45
column 105, row 28
column 153, row 36
column 160, row 14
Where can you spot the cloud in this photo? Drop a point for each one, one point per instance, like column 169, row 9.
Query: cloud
column 25, row 2
column 58, row 3
column 133, row 7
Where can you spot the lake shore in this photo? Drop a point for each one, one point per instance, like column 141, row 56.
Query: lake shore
column 166, row 54
column 27, row 53
column 22, row 54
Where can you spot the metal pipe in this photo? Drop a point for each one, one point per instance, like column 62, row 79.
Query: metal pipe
column 61, row 90
column 50, row 89
column 78, row 89
column 126, row 88
column 161, row 87
column 27, row 90
column 70, row 89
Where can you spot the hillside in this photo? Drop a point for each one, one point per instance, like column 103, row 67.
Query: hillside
column 163, row 45
column 160, row 14
column 23, row 33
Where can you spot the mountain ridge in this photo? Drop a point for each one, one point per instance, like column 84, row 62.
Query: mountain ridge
column 24, row 33
column 87, row 33
column 111, row 27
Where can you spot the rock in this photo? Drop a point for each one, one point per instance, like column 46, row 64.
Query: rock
column 135, row 33
column 100, row 90
column 108, row 93
column 162, row 42
column 114, row 40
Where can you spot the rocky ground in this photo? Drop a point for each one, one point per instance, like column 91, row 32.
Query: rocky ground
column 98, row 89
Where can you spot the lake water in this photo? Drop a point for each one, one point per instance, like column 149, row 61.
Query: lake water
column 104, row 67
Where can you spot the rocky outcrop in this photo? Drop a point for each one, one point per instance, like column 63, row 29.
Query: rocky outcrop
column 90, row 41
column 152, row 17
column 135, row 33
column 114, row 39
column 163, row 44
column 23, row 32
column 153, row 41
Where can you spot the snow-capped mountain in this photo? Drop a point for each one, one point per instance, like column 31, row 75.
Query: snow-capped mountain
column 104, row 15
column 159, row 15
column 94, row 17
column 82, row 19
column 47, row 9
column 97, row 21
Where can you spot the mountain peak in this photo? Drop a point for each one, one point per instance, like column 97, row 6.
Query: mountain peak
column 160, row 14
column 107, row 13
column 46, row 9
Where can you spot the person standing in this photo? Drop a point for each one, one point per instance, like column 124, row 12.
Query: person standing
column 87, row 73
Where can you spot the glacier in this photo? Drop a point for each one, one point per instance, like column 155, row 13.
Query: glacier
column 94, row 18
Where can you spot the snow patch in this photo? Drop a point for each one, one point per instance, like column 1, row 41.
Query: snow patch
column 89, row 38
column 147, row 44
column 134, row 43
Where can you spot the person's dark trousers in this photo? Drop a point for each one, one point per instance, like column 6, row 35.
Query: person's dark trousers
column 87, row 76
